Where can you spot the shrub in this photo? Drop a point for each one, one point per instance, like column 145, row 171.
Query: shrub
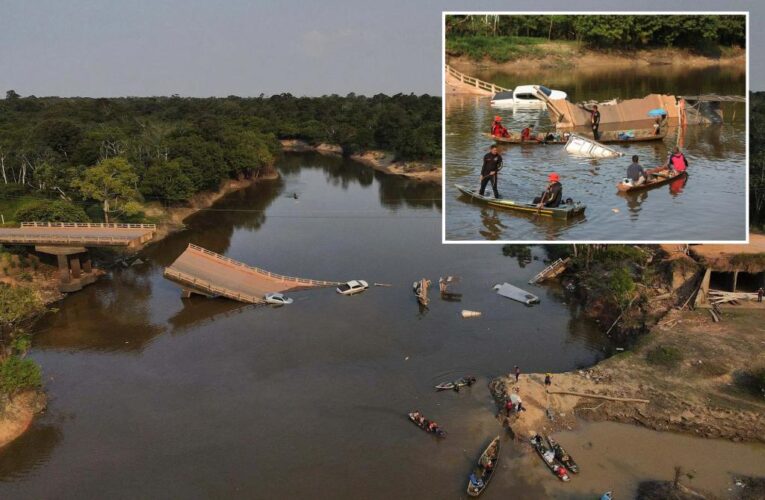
column 52, row 211
column 752, row 381
column 621, row 285
column 17, row 374
column 17, row 303
column 666, row 356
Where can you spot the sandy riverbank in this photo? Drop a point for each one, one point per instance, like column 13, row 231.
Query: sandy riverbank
column 379, row 160
column 693, row 391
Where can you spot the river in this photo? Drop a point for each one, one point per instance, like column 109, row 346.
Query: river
column 709, row 206
column 154, row 396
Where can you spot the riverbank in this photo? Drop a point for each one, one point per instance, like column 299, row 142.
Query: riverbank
column 381, row 161
column 17, row 414
column 689, row 369
column 472, row 53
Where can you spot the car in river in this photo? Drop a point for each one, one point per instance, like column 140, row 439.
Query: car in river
column 526, row 96
column 352, row 287
column 277, row 299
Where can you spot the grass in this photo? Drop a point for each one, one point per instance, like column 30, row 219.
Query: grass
column 497, row 48
column 663, row 355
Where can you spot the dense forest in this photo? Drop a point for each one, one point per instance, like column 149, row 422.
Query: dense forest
column 701, row 32
column 757, row 160
column 115, row 153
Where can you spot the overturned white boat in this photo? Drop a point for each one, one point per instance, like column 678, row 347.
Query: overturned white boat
column 582, row 146
column 515, row 293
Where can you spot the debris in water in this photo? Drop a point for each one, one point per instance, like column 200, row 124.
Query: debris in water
column 470, row 314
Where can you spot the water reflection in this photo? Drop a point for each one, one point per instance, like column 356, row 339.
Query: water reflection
column 22, row 456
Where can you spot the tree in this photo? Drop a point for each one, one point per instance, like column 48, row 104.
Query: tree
column 11, row 95
column 51, row 211
column 111, row 182
column 167, row 180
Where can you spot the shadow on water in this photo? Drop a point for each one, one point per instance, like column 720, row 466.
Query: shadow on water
column 21, row 457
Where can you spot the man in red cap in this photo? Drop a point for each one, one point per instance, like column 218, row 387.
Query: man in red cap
column 553, row 194
column 497, row 130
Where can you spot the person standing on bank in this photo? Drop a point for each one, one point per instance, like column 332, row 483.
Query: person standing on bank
column 517, row 373
column 760, row 292
column 595, row 122
column 492, row 163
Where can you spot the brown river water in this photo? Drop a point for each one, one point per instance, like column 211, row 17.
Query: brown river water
column 711, row 205
column 154, row 396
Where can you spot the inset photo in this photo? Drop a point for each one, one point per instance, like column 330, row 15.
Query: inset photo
column 595, row 127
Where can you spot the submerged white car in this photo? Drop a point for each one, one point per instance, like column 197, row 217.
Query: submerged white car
column 277, row 299
column 353, row 286
column 526, row 96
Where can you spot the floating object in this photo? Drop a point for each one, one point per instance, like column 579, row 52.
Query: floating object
column 615, row 210
column 563, row 457
column 658, row 180
column 484, row 469
column 550, row 271
column 582, row 146
column 455, row 386
column 548, row 457
column 657, row 112
column 277, row 299
column 352, row 287
column 470, row 314
column 420, row 289
column 515, row 293
column 383, row 284
column 413, row 416
column 564, row 212
column 443, row 287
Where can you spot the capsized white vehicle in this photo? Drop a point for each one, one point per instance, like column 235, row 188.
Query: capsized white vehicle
column 277, row 299
column 515, row 293
column 526, row 96
column 351, row 287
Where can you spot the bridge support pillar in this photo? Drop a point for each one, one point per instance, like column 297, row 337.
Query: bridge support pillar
column 74, row 264
column 63, row 269
column 86, row 264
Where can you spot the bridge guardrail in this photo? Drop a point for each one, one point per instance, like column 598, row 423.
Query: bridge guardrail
column 189, row 280
column 258, row 270
column 100, row 225
column 475, row 82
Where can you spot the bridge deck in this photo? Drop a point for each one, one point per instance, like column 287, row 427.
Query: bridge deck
column 85, row 234
column 210, row 273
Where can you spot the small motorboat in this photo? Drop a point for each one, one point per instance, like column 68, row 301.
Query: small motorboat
column 548, row 457
column 455, row 385
column 515, row 293
column 352, row 287
column 484, row 469
column 277, row 299
column 563, row 457
column 564, row 212
column 425, row 424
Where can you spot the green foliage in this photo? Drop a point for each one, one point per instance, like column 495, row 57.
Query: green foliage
column 51, row 211
column 520, row 252
column 17, row 303
column 498, row 49
column 167, row 181
column 472, row 34
column 621, row 285
column 18, row 374
column 666, row 356
column 112, row 182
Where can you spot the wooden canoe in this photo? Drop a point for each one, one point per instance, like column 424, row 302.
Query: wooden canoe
column 562, row 456
column 606, row 137
column 659, row 180
column 482, row 473
column 564, row 212
column 438, row 432
column 542, row 450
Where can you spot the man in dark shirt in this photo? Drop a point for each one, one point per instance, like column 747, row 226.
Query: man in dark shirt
column 553, row 195
column 492, row 162
column 635, row 172
column 595, row 122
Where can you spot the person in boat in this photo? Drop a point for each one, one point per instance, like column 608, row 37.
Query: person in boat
column 561, row 471
column 677, row 161
column 595, row 122
column 497, row 130
column 432, row 426
column 526, row 133
column 549, row 456
column 553, row 195
column 492, row 163
column 635, row 172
